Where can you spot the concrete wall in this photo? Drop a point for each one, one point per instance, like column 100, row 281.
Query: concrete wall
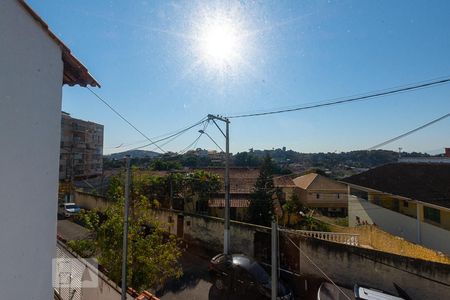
column 372, row 237
column 398, row 224
column 199, row 230
column 348, row 265
column 89, row 201
column 30, row 115
column 345, row 264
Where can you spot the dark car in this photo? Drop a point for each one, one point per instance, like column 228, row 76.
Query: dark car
column 244, row 277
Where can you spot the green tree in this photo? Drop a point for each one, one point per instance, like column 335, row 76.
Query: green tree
column 292, row 206
column 261, row 209
column 202, row 184
column 152, row 255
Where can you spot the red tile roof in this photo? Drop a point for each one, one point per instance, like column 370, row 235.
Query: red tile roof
column 216, row 202
column 74, row 71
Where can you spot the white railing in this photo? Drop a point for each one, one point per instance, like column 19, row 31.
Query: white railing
column 343, row 238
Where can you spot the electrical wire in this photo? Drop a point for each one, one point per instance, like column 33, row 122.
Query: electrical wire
column 123, row 118
column 194, row 143
column 317, row 267
column 375, row 94
column 154, row 137
column 409, row 132
column 175, row 135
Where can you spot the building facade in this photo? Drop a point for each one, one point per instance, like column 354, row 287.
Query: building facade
column 322, row 193
column 410, row 200
column 81, row 154
column 35, row 64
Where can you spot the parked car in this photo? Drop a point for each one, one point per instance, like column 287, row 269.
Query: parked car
column 244, row 277
column 328, row 291
column 367, row 293
column 68, row 209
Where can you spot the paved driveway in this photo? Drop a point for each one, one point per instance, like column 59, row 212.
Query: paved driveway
column 69, row 230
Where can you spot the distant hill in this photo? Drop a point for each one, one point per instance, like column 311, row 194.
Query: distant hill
column 134, row 154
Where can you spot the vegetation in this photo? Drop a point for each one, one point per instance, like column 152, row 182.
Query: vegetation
column 152, row 255
column 292, row 206
column 337, row 165
column 261, row 210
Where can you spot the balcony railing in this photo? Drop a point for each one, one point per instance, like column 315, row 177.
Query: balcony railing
column 342, row 238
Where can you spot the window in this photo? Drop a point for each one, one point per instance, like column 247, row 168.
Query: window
column 317, row 196
column 432, row 214
column 405, row 203
column 339, row 196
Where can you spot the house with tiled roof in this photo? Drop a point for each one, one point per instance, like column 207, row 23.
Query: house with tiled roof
column 322, row 193
column 242, row 183
column 410, row 200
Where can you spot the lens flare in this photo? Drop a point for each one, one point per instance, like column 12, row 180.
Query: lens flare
column 219, row 43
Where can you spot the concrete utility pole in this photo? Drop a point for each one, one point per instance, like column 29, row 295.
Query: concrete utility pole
column 274, row 259
column 226, row 231
column 125, row 229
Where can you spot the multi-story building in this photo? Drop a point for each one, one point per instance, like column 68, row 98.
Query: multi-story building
column 81, row 153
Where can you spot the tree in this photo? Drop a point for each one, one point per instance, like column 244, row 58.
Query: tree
column 261, row 209
column 152, row 255
column 292, row 206
column 200, row 184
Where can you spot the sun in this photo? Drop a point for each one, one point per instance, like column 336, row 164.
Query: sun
column 219, row 42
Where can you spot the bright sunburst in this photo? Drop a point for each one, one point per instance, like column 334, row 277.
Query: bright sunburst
column 220, row 43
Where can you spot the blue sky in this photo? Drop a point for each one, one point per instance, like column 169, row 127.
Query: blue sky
column 145, row 55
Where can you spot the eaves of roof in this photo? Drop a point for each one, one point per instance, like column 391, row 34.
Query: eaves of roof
column 74, row 71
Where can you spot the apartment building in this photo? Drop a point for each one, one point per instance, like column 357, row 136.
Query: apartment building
column 81, row 153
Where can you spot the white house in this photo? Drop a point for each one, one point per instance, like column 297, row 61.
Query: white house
column 410, row 200
column 34, row 64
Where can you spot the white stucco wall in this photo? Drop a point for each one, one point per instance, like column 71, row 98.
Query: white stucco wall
column 31, row 73
column 398, row 224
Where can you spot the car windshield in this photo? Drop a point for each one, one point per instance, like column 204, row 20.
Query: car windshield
column 259, row 273
column 71, row 206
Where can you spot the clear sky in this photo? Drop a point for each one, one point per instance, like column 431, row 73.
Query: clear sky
column 166, row 64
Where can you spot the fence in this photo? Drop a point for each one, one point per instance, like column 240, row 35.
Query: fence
column 343, row 238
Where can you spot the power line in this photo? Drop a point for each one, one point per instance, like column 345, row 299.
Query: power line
column 123, row 118
column 375, row 94
column 194, row 143
column 315, row 265
column 409, row 132
column 122, row 145
column 171, row 137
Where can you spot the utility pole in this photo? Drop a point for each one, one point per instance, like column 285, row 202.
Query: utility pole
column 171, row 190
column 125, row 229
column 226, row 230
column 274, row 259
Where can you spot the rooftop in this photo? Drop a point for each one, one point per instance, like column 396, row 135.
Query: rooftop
column 418, row 181
column 74, row 71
